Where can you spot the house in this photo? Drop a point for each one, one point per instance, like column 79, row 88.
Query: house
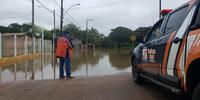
column 8, row 43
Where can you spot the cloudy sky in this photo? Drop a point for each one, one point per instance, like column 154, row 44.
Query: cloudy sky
column 107, row 14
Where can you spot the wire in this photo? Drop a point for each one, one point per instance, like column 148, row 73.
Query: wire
column 16, row 17
column 70, row 18
column 73, row 19
column 43, row 5
column 65, row 21
column 63, row 18
column 53, row 3
column 50, row 3
column 68, row 3
column 14, row 12
column 24, row 16
column 56, row 2
column 46, row 7
column 105, row 5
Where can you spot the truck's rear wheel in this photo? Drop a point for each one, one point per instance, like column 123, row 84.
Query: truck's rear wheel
column 196, row 93
column 135, row 73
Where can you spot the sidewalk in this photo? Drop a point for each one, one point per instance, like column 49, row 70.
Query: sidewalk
column 17, row 59
column 113, row 87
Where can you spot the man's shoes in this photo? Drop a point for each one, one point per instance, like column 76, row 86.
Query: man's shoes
column 62, row 77
column 70, row 77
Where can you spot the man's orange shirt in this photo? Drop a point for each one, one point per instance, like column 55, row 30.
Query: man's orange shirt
column 62, row 46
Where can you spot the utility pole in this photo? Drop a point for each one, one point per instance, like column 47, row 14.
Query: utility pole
column 53, row 36
column 0, row 45
column 33, row 35
column 87, row 20
column 33, row 21
column 33, row 38
column 160, row 8
column 86, row 39
column 54, row 28
column 61, row 18
column 54, row 22
column 63, row 13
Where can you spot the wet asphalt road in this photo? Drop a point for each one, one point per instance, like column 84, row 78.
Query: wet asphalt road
column 113, row 87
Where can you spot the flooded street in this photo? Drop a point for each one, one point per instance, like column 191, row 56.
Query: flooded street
column 84, row 63
column 109, row 87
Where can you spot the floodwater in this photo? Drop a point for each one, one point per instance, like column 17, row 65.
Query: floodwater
column 84, row 63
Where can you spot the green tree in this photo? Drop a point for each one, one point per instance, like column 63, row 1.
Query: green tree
column 26, row 27
column 72, row 29
column 120, row 37
column 3, row 29
column 93, row 36
column 15, row 28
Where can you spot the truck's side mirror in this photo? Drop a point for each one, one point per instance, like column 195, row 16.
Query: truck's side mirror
column 140, row 39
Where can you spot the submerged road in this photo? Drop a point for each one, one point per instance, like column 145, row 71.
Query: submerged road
column 112, row 87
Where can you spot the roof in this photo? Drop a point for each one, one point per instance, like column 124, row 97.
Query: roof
column 10, row 34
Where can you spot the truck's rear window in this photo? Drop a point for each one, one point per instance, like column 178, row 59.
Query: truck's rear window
column 175, row 20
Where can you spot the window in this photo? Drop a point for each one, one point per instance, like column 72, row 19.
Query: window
column 155, row 31
column 175, row 20
column 197, row 21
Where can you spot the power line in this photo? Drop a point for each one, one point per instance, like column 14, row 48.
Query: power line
column 14, row 12
column 56, row 14
column 43, row 5
column 49, row 3
column 73, row 19
column 68, row 3
column 103, row 25
column 61, row 17
column 16, row 17
column 66, row 21
column 19, row 17
column 56, row 2
column 105, row 5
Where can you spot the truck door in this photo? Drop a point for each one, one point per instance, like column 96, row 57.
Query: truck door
column 151, row 55
column 160, row 53
column 176, row 28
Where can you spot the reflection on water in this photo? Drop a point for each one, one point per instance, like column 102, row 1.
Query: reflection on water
column 84, row 63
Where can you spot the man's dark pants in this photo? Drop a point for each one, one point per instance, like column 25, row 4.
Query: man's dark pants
column 65, row 61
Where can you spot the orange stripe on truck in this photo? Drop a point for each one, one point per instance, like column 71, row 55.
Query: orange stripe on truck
column 193, row 54
column 167, row 49
column 178, row 62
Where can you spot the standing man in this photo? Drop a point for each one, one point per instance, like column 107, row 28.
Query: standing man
column 64, row 53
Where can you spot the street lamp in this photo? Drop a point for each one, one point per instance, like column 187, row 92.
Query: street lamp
column 54, row 32
column 87, row 20
column 63, row 13
column 71, row 7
